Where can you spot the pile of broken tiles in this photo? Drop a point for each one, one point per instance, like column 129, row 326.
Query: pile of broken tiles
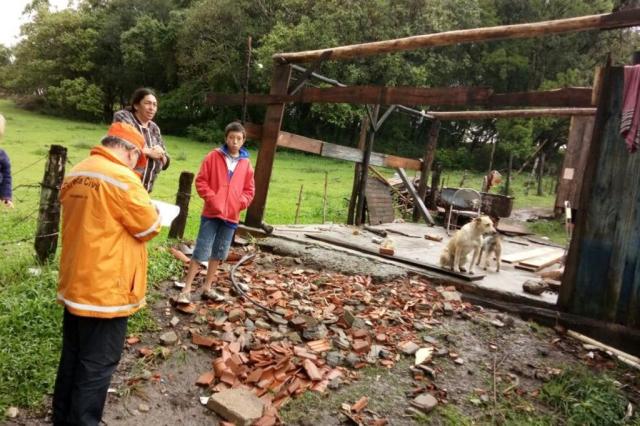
column 321, row 328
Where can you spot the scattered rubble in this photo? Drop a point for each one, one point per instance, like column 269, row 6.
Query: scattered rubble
column 237, row 405
column 169, row 338
column 425, row 402
column 316, row 328
column 12, row 412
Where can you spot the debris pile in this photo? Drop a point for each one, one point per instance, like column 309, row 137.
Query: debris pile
column 318, row 328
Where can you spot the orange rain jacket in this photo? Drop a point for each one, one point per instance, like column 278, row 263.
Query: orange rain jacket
column 106, row 218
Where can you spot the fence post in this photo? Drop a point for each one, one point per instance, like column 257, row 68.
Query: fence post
column 182, row 200
column 46, row 241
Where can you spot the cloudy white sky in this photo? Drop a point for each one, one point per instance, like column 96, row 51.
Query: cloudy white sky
column 11, row 18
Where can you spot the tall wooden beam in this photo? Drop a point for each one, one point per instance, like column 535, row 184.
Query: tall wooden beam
column 429, row 154
column 266, row 154
column 620, row 19
column 357, row 171
column 568, row 287
column 364, row 172
column 432, row 96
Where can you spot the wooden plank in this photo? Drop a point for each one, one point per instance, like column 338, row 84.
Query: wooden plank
column 577, row 97
column 340, row 152
column 540, row 262
column 416, row 198
column 620, row 19
column 575, row 159
column 393, row 161
column 512, row 229
column 331, row 150
column 402, row 259
column 379, row 202
column 515, row 113
column 382, row 95
column 527, row 254
column 564, row 97
column 300, row 143
column 266, row 154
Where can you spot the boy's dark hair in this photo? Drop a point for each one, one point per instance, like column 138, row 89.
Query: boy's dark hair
column 235, row 126
column 138, row 95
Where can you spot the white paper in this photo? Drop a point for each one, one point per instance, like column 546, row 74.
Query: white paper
column 167, row 211
column 568, row 173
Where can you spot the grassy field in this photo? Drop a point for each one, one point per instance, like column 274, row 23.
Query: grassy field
column 29, row 318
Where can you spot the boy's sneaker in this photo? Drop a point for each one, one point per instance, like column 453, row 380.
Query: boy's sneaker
column 213, row 295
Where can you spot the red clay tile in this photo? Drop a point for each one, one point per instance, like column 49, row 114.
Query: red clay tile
column 359, row 404
column 360, row 346
column 311, row 370
column 205, row 341
column 205, row 379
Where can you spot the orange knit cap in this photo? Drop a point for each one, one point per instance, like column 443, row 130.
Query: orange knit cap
column 130, row 134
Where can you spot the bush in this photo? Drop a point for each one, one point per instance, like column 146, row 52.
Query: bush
column 76, row 98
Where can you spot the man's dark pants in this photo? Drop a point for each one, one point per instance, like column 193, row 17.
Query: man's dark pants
column 91, row 350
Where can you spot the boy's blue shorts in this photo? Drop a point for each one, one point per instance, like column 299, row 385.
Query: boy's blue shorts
column 214, row 239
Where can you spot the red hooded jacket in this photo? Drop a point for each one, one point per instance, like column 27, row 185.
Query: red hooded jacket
column 225, row 196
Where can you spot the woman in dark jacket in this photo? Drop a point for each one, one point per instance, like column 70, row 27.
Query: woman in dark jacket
column 140, row 114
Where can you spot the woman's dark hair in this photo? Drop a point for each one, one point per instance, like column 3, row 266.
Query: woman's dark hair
column 138, row 96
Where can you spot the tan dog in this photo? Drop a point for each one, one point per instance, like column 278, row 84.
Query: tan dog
column 491, row 244
column 466, row 240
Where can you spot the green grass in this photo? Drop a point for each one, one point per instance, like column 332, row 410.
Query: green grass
column 586, row 398
column 553, row 229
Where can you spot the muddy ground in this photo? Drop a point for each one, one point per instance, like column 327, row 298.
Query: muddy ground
column 488, row 366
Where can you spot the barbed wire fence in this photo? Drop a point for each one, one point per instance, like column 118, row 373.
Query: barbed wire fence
column 47, row 207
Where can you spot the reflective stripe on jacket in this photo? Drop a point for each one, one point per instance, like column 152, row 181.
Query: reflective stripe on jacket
column 106, row 218
column 224, row 196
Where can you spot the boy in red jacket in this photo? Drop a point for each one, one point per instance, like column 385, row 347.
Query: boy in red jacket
column 225, row 183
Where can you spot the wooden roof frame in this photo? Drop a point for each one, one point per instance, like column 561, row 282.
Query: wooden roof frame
column 280, row 95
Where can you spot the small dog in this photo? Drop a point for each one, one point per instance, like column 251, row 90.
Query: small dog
column 491, row 244
column 466, row 240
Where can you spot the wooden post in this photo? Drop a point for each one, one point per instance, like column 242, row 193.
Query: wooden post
column 182, row 200
column 540, row 174
column 366, row 157
column 427, row 160
column 295, row 221
column 507, row 184
column 357, row 170
column 266, row 154
column 435, row 184
column 324, row 197
column 46, row 241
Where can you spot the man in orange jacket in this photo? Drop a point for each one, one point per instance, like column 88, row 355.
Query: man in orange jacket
column 107, row 217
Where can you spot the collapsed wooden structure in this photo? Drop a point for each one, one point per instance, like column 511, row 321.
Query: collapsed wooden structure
column 569, row 102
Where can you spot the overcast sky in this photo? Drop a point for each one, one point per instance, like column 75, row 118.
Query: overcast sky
column 11, row 18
